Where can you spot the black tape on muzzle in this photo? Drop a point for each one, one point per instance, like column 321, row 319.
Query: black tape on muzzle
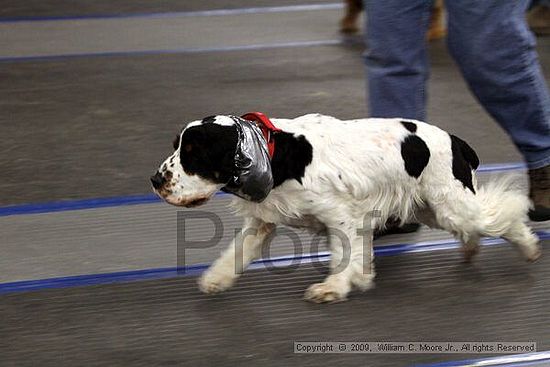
column 252, row 178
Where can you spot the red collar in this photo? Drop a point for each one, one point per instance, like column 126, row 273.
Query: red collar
column 267, row 128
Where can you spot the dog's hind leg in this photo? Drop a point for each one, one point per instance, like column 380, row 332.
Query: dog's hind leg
column 456, row 211
column 498, row 209
column 527, row 242
column 468, row 236
column 243, row 249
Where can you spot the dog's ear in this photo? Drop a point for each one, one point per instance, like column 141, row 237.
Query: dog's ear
column 209, row 151
column 176, row 142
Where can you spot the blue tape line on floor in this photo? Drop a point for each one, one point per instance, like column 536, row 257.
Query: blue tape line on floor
column 178, row 14
column 282, row 261
column 58, row 206
column 173, row 51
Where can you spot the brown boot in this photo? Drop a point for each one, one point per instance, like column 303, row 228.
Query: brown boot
column 539, row 193
column 349, row 24
column 539, row 20
column 437, row 28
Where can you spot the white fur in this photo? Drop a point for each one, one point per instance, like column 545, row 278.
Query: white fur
column 357, row 169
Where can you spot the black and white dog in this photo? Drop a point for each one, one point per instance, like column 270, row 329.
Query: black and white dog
column 329, row 174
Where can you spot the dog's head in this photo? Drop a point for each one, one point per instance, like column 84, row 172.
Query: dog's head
column 202, row 162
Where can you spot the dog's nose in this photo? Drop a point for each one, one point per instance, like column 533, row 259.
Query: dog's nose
column 158, row 180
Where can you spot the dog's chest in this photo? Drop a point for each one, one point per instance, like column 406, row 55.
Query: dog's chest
column 307, row 222
column 296, row 212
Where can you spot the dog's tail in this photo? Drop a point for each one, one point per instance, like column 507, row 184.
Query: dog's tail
column 503, row 205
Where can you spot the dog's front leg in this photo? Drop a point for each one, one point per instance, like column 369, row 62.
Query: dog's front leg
column 351, row 264
column 244, row 248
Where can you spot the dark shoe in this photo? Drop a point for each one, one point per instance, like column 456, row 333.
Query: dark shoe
column 539, row 20
column 539, row 192
column 393, row 227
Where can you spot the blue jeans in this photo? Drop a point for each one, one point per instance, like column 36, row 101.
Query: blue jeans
column 493, row 48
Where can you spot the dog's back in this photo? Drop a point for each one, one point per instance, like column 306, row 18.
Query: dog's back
column 370, row 164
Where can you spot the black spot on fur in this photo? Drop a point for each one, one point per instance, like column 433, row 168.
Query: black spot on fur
column 209, row 119
column 465, row 160
column 211, row 151
column 292, row 155
column 416, row 155
column 411, row 126
column 469, row 153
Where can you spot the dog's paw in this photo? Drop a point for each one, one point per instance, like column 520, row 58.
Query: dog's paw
column 213, row 282
column 469, row 252
column 534, row 254
column 324, row 292
column 363, row 282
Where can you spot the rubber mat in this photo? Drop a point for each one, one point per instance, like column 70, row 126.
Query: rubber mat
column 419, row 297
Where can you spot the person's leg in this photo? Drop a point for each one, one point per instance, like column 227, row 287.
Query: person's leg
column 496, row 53
column 396, row 57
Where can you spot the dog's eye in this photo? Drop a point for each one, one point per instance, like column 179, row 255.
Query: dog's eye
column 176, row 142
